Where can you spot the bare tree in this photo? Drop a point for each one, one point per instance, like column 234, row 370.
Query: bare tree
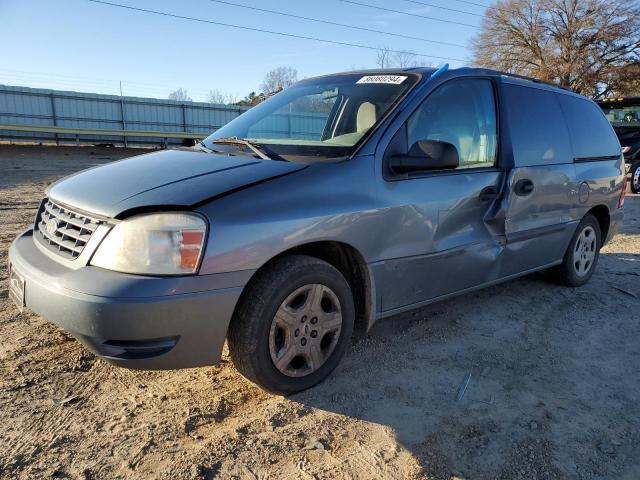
column 383, row 59
column 396, row 59
column 180, row 95
column 221, row 98
column 405, row 60
column 627, row 80
column 586, row 45
column 278, row 79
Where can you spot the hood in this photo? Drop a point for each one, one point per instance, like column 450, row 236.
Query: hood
column 169, row 177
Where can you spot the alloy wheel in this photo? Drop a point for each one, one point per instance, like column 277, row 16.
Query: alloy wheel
column 584, row 252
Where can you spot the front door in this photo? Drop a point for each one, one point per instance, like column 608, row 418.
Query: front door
column 438, row 240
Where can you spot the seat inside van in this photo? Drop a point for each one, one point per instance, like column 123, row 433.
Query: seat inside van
column 365, row 117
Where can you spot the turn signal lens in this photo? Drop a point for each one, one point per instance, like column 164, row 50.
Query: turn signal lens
column 190, row 246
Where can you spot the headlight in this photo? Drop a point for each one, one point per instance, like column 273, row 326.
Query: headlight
column 154, row 244
column 626, row 149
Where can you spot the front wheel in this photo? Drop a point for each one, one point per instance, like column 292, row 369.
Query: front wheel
column 292, row 325
column 582, row 255
column 635, row 177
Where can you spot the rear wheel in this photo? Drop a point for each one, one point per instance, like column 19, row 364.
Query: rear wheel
column 292, row 325
column 635, row 177
column 581, row 257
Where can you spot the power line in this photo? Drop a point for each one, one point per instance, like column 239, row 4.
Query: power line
column 473, row 3
column 328, row 22
column 444, row 8
column 272, row 32
column 368, row 5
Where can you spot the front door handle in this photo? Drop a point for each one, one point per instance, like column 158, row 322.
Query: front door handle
column 523, row 187
column 488, row 193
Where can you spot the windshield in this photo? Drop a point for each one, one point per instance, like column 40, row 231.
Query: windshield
column 623, row 115
column 320, row 118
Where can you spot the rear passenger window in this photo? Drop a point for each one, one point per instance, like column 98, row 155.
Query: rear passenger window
column 591, row 134
column 538, row 131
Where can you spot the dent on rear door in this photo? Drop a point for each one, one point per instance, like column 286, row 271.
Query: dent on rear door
column 538, row 226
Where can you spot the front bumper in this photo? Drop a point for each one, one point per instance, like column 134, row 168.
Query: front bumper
column 130, row 320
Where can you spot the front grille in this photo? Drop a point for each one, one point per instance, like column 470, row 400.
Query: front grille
column 62, row 230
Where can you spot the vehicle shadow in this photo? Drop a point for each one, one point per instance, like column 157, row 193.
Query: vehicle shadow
column 539, row 395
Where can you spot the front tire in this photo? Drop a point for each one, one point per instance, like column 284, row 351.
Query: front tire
column 293, row 324
column 635, row 177
column 582, row 255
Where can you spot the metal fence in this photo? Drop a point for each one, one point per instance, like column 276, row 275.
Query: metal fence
column 89, row 111
column 61, row 117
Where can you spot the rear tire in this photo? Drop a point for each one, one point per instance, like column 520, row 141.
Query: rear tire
column 635, row 177
column 582, row 255
column 292, row 325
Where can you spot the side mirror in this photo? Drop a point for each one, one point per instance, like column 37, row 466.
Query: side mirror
column 426, row 155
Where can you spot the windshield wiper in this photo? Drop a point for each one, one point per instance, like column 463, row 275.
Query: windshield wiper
column 202, row 147
column 241, row 141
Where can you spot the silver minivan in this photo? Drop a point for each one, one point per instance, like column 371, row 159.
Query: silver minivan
column 341, row 200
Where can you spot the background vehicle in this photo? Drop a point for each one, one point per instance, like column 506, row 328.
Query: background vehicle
column 402, row 188
column 624, row 115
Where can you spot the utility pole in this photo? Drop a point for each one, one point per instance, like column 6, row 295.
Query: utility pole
column 122, row 113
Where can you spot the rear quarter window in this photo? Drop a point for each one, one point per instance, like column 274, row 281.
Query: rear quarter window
column 539, row 133
column 591, row 133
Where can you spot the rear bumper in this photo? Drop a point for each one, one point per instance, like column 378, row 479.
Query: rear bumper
column 615, row 223
column 132, row 321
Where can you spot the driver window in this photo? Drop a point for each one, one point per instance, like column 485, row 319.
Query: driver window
column 463, row 113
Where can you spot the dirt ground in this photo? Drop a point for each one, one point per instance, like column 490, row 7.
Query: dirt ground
column 554, row 390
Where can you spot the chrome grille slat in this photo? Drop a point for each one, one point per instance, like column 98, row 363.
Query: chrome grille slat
column 78, row 221
column 72, row 229
column 72, row 233
column 61, row 243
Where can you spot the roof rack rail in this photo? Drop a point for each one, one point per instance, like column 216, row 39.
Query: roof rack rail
column 535, row 80
column 515, row 75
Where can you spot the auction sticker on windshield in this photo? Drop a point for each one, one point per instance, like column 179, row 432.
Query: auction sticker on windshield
column 392, row 79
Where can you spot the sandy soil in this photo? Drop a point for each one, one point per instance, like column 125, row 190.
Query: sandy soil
column 553, row 393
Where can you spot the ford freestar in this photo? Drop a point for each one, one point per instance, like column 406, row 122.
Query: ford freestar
column 339, row 201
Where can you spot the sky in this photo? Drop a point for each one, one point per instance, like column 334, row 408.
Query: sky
column 90, row 47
